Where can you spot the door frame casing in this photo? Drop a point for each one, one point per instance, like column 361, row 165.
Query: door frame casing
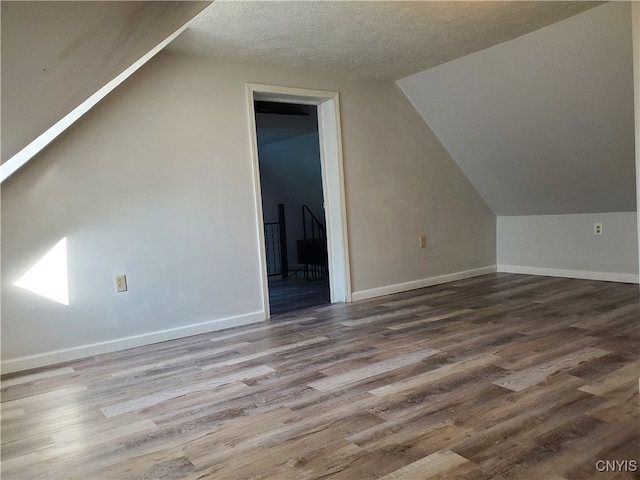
column 329, row 133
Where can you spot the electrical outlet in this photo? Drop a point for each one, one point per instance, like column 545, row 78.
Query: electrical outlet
column 597, row 228
column 422, row 241
column 121, row 283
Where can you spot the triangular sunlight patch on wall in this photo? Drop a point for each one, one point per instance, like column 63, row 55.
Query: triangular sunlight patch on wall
column 48, row 277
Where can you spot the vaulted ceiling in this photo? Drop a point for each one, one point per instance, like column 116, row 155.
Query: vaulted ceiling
column 542, row 124
column 533, row 100
column 55, row 55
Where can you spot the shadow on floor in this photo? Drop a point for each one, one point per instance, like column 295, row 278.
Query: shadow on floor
column 295, row 294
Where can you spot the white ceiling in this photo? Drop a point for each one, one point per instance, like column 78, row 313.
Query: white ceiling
column 542, row 124
column 365, row 39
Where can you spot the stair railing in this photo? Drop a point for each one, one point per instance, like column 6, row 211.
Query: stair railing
column 275, row 240
column 312, row 252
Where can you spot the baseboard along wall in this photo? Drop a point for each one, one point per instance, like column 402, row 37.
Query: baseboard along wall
column 580, row 274
column 424, row 282
column 110, row 346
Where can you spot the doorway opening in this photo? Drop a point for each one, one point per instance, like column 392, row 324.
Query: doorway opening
column 299, row 197
column 292, row 205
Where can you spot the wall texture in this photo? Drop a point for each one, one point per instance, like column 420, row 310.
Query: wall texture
column 157, row 182
column 635, row 13
column 51, row 67
column 565, row 245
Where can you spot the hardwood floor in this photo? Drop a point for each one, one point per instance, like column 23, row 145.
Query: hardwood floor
column 295, row 294
column 496, row 377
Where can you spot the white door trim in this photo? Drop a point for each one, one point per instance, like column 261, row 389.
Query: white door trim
column 332, row 181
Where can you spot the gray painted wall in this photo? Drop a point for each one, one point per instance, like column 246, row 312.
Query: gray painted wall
column 565, row 245
column 56, row 54
column 156, row 182
column 543, row 127
column 542, row 124
column 635, row 12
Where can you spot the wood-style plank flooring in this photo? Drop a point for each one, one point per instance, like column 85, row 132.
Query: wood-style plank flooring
column 496, row 377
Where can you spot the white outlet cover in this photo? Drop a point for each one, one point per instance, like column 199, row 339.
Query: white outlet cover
column 121, row 283
column 597, row 228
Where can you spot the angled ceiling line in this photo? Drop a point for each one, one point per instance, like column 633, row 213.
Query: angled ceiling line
column 39, row 143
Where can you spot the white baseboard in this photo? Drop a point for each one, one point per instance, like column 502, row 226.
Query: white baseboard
column 74, row 353
column 424, row 282
column 584, row 275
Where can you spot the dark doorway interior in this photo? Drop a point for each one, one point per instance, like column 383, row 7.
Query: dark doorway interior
column 292, row 205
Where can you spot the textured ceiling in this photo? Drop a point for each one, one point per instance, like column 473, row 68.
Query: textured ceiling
column 385, row 40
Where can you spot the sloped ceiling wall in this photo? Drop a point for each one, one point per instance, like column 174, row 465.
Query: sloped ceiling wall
column 542, row 124
column 57, row 54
